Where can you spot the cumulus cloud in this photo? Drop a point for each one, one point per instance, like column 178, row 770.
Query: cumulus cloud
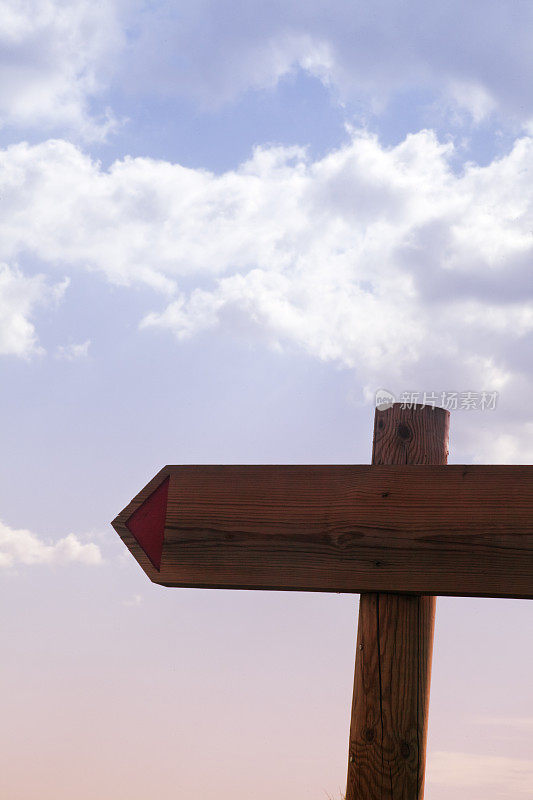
column 53, row 58
column 385, row 260
column 19, row 546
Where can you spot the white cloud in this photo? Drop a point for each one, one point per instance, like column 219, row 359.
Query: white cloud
column 53, row 58
column 384, row 260
column 73, row 352
column 19, row 546
column 510, row 776
column 20, row 295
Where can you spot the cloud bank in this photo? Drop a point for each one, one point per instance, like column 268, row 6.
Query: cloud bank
column 454, row 50
column 61, row 62
column 381, row 259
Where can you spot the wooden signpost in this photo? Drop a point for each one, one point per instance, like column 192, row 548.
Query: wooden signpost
column 399, row 532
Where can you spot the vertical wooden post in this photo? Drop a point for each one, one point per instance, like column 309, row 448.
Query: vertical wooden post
column 388, row 731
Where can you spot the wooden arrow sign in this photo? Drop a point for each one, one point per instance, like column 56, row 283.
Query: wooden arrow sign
column 444, row 530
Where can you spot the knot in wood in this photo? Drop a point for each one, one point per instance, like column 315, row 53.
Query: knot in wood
column 404, row 431
column 369, row 735
column 405, row 750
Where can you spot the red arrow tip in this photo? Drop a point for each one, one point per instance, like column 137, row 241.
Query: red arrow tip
column 147, row 523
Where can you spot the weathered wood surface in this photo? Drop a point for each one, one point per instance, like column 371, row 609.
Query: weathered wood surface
column 388, row 734
column 388, row 731
column 456, row 530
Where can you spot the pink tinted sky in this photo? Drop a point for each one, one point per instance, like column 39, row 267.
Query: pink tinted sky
column 116, row 688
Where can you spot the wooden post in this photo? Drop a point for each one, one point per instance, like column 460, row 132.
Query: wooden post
column 388, row 730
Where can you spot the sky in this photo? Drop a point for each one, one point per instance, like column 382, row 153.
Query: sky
column 224, row 226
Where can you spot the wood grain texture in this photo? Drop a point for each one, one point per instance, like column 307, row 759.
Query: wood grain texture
column 416, row 436
column 388, row 731
column 457, row 530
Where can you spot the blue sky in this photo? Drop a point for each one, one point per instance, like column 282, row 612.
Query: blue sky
column 223, row 227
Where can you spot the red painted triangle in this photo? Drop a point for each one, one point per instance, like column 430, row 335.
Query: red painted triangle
column 147, row 523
